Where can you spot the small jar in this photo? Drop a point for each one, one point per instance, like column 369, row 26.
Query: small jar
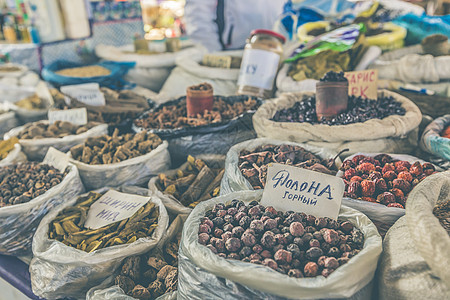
column 260, row 62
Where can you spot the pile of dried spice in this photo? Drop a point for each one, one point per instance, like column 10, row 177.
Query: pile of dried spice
column 59, row 129
column 192, row 183
column 108, row 149
column 174, row 115
column 253, row 164
column 68, row 226
column 442, row 212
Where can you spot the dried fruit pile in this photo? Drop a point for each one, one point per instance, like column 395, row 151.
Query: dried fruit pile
column 33, row 103
column 382, row 179
column 21, row 183
column 7, row 146
column 108, row 149
column 172, row 116
column 295, row 244
column 253, row 164
column 359, row 110
column 442, row 212
column 446, row 132
column 68, row 226
column 159, row 275
column 334, row 77
column 193, row 183
column 57, row 130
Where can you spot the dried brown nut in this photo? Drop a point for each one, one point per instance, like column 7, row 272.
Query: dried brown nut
column 162, row 274
column 171, row 281
column 156, row 263
column 57, row 130
column 132, row 267
column 125, row 283
column 157, row 288
column 141, row 293
column 367, row 188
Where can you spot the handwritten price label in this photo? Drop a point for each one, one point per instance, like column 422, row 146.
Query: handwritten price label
column 363, row 83
column 77, row 116
column 87, row 93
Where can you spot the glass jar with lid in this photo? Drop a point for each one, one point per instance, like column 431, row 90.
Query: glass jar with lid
column 260, row 62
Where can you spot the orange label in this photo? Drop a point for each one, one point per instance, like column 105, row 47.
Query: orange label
column 363, row 83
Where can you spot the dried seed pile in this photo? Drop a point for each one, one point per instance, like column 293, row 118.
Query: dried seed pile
column 33, row 102
column 87, row 71
column 442, row 212
column 359, row 110
column 253, row 164
column 68, row 226
column 382, row 179
column 108, row 149
column 175, row 115
column 295, row 244
column 150, row 276
column 193, row 183
column 23, row 182
column 7, row 146
column 57, row 130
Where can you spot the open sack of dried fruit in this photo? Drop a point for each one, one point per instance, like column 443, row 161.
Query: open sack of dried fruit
column 114, row 160
column 234, row 248
column 378, row 184
column 153, row 275
column 73, row 254
column 29, row 191
column 388, row 124
column 246, row 163
column 436, row 137
column 198, row 68
column 37, row 137
column 198, row 179
column 416, row 250
column 212, row 132
column 11, row 152
column 153, row 65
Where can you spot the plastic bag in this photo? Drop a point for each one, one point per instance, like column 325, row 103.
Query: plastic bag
column 382, row 216
column 59, row 271
column 151, row 70
column 416, row 250
column 234, row 181
column 203, row 274
column 394, row 134
column 18, row 223
column 433, row 142
column 15, row 156
column 216, row 138
column 134, row 171
column 8, row 121
column 113, row 80
column 421, row 26
column 171, row 203
column 107, row 290
column 36, row 149
column 189, row 72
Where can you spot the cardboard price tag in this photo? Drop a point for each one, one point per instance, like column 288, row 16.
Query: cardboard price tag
column 292, row 188
column 77, row 116
column 363, row 83
column 217, row 61
column 87, row 93
column 112, row 207
column 57, row 159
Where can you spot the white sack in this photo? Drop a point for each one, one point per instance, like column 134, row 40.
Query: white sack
column 15, row 156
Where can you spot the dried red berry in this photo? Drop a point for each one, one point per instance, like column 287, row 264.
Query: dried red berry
column 369, row 199
column 402, row 163
column 203, row 238
column 296, row 229
column 349, row 173
column 354, row 188
column 389, row 175
column 428, row 169
column 357, row 158
column 283, row 256
column 311, row 269
column 386, row 198
column 270, row 263
column 367, row 188
column 330, row 236
column 347, row 165
column 365, row 168
column 397, row 193
column 405, row 175
column 375, row 175
column 346, row 226
column 380, row 185
column 401, row 184
column 387, row 168
column 356, row 178
column 395, row 205
column 416, row 169
column 327, row 272
column 331, row 263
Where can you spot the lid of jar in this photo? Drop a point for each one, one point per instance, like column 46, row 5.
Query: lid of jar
column 268, row 32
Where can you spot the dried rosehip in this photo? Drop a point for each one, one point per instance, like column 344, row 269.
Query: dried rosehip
column 321, row 223
column 395, row 205
column 204, row 228
column 248, row 239
column 330, row 236
column 387, row 168
column 218, row 233
column 283, row 256
column 295, row 273
column 369, row 199
column 270, row 209
column 334, row 251
column 321, row 261
column 203, row 238
column 389, row 175
column 326, row 272
column 239, row 215
column 349, row 173
column 401, row 184
column 228, row 219
column 311, row 269
column 383, row 158
column 367, row 188
column 402, row 163
column 270, row 263
column 346, row 226
column 380, row 185
column 207, row 221
column 405, row 176
column 266, row 254
column 237, row 231
column 397, row 193
column 314, row 243
column 386, row 198
column 270, row 224
column 356, row 178
column 257, row 226
column 318, row 236
column 314, row 253
column 354, row 188
column 296, row 229
column 232, row 211
column 428, row 168
column 416, row 169
column 233, row 244
column 331, row 263
column 365, row 168
column 254, row 211
column 220, row 245
column 228, row 227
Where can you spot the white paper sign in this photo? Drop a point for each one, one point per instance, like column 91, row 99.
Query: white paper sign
column 113, row 207
column 57, row 159
column 87, row 93
column 77, row 116
column 292, row 188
